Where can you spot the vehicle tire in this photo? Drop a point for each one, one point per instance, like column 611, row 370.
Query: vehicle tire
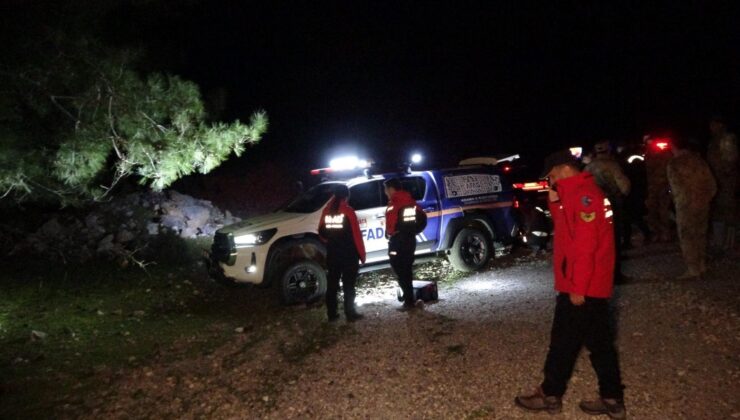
column 302, row 282
column 470, row 250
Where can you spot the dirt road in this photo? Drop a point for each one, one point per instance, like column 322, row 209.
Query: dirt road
column 463, row 357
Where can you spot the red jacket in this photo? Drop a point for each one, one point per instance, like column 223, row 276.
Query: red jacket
column 398, row 200
column 350, row 226
column 584, row 253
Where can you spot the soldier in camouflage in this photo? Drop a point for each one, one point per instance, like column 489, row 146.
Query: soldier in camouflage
column 614, row 183
column 722, row 156
column 692, row 187
column 658, row 201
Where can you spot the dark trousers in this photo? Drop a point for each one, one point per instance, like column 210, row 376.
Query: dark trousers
column 401, row 248
column 572, row 328
column 346, row 269
column 633, row 216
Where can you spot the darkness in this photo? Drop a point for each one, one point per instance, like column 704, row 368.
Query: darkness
column 451, row 80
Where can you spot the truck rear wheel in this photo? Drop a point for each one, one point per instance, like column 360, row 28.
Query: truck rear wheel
column 471, row 250
column 302, row 282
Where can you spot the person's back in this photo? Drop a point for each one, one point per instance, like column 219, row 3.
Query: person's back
column 692, row 187
column 609, row 176
column 691, row 180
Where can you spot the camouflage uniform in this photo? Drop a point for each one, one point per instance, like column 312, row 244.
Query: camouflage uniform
column 658, row 201
column 616, row 186
column 693, row 187
column 609, row 176
column 722, row 156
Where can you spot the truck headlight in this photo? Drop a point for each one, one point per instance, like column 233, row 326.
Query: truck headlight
column 257, row 238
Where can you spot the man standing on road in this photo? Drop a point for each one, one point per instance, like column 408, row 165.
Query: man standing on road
column 693, row 187
column 583, row 262
column 723, row 156
column 609, row 176
column 345, row 249
column 401, row 244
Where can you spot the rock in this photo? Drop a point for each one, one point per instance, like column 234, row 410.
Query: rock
column 124, row 236
column 209, row 229
column 91, row 221
column 239, row 330
column 37, row 335
column 196, row 216
column 189, row 232
column 105, row 245
column 52, row 228
column 152, row 228
column 173, row 222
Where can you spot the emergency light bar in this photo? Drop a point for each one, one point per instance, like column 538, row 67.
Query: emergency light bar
column 344, row 164
column 348, row 163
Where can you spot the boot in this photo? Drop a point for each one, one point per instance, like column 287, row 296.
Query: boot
column 538, row 401
column 612, row 408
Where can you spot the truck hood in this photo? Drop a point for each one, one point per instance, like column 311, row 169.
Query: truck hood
column 266, row 221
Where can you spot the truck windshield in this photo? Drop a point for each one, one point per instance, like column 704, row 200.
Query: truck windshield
column 312, row 199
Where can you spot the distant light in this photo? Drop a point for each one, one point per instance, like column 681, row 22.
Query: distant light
column 577, row 152
column 634, row 158
column 416, row 158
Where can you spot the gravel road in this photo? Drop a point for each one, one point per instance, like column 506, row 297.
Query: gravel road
column 466, row 356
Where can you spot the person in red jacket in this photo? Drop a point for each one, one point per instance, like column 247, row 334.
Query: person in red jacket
column 583, row 263
column 401, row 242
column 345, row 249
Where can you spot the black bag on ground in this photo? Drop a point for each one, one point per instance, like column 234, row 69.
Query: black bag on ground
column 424, row 290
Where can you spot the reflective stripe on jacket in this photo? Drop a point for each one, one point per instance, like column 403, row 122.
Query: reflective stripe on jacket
column 347, row 223
column 398, row 200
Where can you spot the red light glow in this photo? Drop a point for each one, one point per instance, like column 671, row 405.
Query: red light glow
column 662, row 144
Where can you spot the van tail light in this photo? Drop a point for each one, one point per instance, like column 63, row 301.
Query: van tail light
column 532, row 186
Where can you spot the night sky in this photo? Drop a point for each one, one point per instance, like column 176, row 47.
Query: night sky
column 451, row 79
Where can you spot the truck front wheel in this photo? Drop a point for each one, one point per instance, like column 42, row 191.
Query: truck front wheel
column 303, row 281
column 471, row 250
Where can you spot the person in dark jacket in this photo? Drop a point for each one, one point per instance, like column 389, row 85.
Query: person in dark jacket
column 583, row 263
column 345, row 250
column 401, row 243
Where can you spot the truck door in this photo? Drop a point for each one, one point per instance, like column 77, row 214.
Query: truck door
column 425, row 195
column 368, row 201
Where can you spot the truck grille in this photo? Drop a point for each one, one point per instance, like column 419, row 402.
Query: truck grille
column 223, row 249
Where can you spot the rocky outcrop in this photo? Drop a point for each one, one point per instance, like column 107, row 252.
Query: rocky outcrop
column 123, row 225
